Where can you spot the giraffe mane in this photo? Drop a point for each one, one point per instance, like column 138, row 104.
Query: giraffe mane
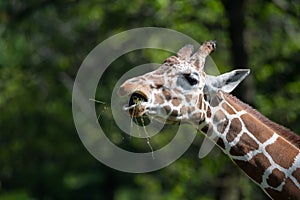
column 284, row 132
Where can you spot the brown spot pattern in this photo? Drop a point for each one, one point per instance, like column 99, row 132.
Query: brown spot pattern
column 215, row 101
column 219, row 116
column 255, row 167
column 276, row 178
column 199, row 101
column 292, row 189
column 167, row 94
column 208, row 112
column 232, row 102
column 289, row 191
column 296, row 173
column 222, row 126
column 197, row 116
column 174, row 113
column 171, row 60
column 245, row 145
column 168, row 109
column 159, row 99
column 175, row 102
column 188, row 98
column 260, row 131
column 234, row 129
column 279, row 153
column 177, row 91
column 228, row 108
column 183, row 110
column 158, row 80
column 204, row 107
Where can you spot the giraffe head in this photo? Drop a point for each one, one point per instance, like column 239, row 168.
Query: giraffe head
column 179, row 88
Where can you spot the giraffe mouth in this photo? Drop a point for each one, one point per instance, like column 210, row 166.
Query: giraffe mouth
column 137, row 109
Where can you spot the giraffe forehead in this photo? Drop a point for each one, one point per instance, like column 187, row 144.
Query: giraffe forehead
column 164, row 76
column 175, row 64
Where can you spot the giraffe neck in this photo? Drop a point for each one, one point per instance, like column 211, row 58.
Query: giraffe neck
column 268, row 153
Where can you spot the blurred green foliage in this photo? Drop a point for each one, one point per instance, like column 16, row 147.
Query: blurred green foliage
column 42, row 45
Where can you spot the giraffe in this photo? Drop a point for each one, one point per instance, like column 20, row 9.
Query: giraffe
column 179, row 91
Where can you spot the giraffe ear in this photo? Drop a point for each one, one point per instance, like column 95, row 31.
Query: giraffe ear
column 226, row 82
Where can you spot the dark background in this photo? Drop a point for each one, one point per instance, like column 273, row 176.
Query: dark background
column 42, row 46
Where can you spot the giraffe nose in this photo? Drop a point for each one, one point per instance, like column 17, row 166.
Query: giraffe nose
column 130, row 87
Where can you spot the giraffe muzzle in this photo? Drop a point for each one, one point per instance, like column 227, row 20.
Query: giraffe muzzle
column 137, row 97
column 135, row 104
column 137, row 110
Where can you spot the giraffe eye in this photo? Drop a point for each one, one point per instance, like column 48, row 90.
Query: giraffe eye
column 192, row 79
